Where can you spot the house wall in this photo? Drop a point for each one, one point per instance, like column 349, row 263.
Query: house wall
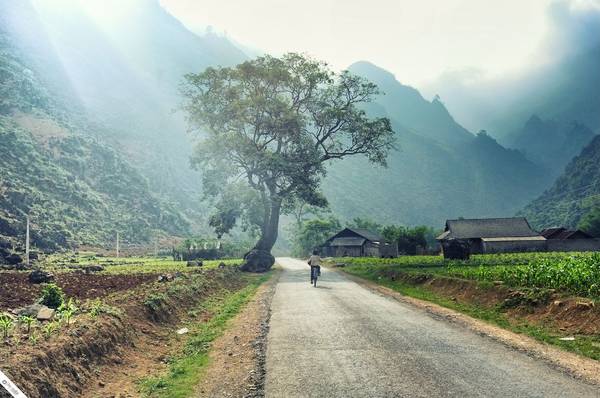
column 388, row 250
column 370, row 250
column 347, row 251
column 515, row 246
column 573, row 245
column 477, row 246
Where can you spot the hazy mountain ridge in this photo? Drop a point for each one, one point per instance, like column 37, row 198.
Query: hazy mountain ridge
column 572, row 195
column 441, row 170
column 551, row 143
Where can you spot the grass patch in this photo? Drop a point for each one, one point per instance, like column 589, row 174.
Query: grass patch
column 185, row 371
column 588, row 346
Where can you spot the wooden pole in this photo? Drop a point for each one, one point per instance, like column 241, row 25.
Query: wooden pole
column 27, row 243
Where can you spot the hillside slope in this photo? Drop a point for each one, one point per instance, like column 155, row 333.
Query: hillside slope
column 440, row 171
column 550, row 143
column 75, row 188
column 572, row 195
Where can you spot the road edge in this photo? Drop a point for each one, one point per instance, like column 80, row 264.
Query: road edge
column 585, row 369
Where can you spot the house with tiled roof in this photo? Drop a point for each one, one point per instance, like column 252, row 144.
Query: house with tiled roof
column 494, row 235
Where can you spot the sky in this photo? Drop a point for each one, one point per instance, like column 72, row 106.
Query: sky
column 417, row 40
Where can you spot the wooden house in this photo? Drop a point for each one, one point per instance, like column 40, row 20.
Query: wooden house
column 353, row 242
column 494, row 235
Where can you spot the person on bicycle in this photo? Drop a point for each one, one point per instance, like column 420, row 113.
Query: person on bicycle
column 315, row 265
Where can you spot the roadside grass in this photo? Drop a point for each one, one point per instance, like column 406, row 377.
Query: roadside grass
column 185, row 371
column 588, row 346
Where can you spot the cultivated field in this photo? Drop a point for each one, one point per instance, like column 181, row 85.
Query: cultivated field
column 572, row 273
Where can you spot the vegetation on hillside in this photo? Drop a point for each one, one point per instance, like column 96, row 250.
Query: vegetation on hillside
column 574, row 194
column 75, row 187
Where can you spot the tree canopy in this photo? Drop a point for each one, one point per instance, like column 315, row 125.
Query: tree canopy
column 274, row 123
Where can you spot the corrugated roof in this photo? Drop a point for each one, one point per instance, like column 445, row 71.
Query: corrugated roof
column 347, row 242
column 489, row 228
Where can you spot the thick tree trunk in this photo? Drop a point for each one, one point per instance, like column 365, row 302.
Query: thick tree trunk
column 260, row 259
column 270, row 229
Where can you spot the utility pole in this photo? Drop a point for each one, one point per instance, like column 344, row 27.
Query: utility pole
column 117, row 245
column 27, row 243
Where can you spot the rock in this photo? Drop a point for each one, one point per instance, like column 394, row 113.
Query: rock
column 13, row 259
column 585, row 305
column 558, row 303
column 195, row 263
column 93, row 268
column 222, row 265
column 166, row 278
column 30, row 310
column 258, row 261
column 45, row 314
column 22, row 267
column 183, row 331
column 39, row 276
column 101, row 384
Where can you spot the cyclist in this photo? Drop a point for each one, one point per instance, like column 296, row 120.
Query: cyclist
column 315, row 265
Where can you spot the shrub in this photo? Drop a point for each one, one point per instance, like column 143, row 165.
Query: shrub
column 52, row 296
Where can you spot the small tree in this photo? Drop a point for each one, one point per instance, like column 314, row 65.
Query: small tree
column 274, row 123
column 313, row 234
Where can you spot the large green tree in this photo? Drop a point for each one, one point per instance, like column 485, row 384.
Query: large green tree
column 274, row 123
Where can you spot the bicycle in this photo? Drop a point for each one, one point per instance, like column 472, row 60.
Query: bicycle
column 314, row 274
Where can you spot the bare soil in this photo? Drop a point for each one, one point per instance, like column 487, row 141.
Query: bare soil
column 17, row 291
column 105, row 356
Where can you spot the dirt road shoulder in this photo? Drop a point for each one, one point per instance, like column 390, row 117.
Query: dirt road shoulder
column 237, row 358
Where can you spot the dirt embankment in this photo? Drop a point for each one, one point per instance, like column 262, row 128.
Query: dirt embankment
column 86, row 356
column 570, row 315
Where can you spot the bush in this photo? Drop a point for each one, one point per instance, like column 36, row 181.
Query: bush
column 52, row 296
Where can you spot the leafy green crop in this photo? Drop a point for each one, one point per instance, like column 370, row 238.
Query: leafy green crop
column 573, row 273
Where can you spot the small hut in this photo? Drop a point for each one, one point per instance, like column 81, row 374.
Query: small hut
column 353, row 242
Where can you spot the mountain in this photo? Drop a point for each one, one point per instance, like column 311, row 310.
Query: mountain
column 573, row 194
column 440, row 171
column 550, row 143
column 122, row 69
column 562, row 89
column 76, row 189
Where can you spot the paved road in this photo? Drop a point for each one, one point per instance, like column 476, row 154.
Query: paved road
column 342, row 340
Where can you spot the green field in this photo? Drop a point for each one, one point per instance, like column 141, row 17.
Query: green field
column 124, row 265
column 572, row 273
